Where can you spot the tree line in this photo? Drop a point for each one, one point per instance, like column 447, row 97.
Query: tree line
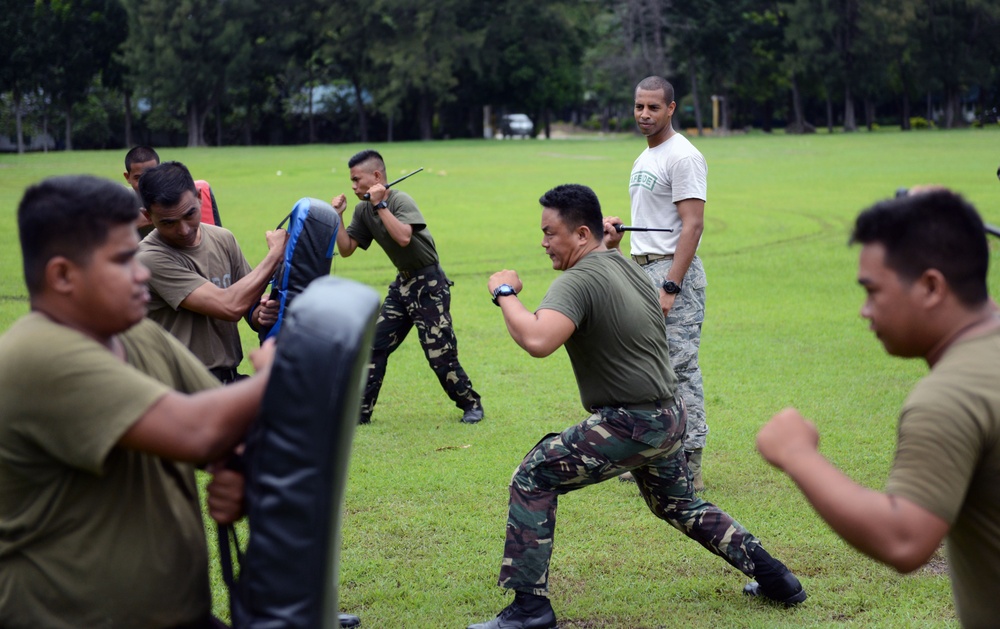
column 108, row 73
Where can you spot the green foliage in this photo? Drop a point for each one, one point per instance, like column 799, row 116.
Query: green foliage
column 427, row 496
column 918, row 122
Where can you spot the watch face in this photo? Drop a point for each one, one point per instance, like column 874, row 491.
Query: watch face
column 671, row 288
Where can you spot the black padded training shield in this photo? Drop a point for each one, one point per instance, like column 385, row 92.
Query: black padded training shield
column 312, row 232
column 297, row 457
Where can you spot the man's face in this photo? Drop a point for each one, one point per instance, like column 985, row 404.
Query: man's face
column 561, row 244
column 133, row 174
column 110, row 287
column 652, row 112
column 892, row 305
column 179, row 225
column 363, row 177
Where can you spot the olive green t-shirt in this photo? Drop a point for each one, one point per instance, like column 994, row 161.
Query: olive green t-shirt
column 948, row 462
column 92, row 534
column 176, row 273
column 619, row 349
column 367, row 226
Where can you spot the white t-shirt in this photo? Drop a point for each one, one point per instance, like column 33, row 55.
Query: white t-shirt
column 661, row 177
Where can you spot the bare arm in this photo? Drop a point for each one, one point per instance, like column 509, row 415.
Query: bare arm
column 692, row 213
column 345, row 244
column 400, row 232
column 538, row 333
column 205, row 426
column 888, row 528
column 232, row 303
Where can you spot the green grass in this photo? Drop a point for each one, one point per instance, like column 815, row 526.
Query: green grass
column 426, row 504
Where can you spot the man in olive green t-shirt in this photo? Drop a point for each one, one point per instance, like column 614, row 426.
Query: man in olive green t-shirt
column 606, row 313
column 419, row 297
column 923, row 265
column 201, row 285
column 100, row 521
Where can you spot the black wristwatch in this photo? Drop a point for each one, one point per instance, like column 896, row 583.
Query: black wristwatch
column 502, row 291
column 384, row 203
column 671, row 288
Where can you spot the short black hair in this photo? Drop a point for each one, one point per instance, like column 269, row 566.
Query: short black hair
column 69, row 216
column 366, row 155
column 654, row 83
column 140, row 155
column 165, row 184
column 931, row 230
column 577, row 205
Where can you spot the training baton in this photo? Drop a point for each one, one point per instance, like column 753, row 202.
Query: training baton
column 392, row 183
column 625, row 228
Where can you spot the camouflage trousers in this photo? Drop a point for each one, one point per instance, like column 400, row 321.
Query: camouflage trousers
column 609, row 442
column 684, row 338
column 423, row 302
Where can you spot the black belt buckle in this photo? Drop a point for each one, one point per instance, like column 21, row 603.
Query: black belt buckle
column 407, row 275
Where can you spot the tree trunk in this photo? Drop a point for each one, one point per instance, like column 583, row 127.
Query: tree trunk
column 425, row 113
column 362, row 117
column 829, row 113
column 196, row 126
column 218, row 125
column 69, row 127
column 799, row 121
column 312, row 115
column 869, row 113
column 850, row 124
column 952, row 110
column 18, row 116
column 694, row 95
column 547, row 118
column 129, row 143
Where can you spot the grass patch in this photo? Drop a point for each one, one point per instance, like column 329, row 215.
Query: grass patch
column 427, row 496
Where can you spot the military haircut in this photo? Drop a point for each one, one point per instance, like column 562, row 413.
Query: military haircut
column 577, row 205
column 365, row 156
column 930, row 230
column 165, row 184
column 140, row 155
column 654, row 83
column 69, row 216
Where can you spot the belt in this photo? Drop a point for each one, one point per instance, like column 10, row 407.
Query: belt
column 645, row 258
column 421, row 271
column 225, row 375
column 655, row 405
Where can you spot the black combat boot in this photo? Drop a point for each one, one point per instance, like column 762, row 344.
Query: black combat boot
column 774, row 580
column 526, row 612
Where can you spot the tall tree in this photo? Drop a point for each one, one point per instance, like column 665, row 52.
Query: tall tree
column 78, row 38
column 185, row 52
column 20, row 58
column 417, row 49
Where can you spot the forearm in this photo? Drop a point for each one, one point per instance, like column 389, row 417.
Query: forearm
column 399, row 232
column 345, row 244
column 236, row 301
column 687, row 247
column 520, row 321
column 198, row 428
column 878, row 525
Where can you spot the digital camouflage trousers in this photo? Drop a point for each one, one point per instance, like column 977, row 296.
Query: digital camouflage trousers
column 422, row 302
column 609, row 442
column 684, row 338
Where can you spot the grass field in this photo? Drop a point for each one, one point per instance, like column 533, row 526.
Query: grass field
column 426, row 504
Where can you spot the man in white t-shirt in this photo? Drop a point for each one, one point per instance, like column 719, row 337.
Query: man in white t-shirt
column 668, row 188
